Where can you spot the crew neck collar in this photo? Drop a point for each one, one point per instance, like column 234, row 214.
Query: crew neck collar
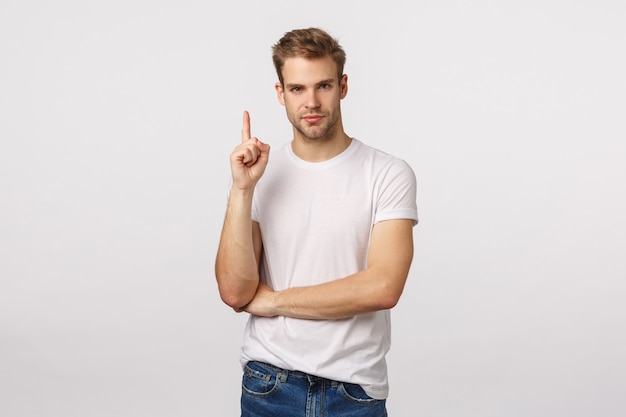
column 354, row 143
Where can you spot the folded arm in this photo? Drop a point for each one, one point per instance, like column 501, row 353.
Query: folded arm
column 377, row 287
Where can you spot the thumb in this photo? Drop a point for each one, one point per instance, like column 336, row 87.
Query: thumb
column 264, row 150
column 264, row 147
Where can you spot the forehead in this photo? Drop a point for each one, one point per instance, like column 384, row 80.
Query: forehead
column 303, row 71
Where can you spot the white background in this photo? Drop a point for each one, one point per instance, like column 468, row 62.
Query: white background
column 116, row 121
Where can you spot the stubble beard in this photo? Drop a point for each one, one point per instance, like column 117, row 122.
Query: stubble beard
column 324, row 133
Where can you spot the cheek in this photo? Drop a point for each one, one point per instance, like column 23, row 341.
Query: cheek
column 292, row 106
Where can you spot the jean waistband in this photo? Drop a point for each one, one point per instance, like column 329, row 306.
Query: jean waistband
column 283, row 374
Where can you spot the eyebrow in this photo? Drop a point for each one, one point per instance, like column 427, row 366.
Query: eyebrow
column 326, row 81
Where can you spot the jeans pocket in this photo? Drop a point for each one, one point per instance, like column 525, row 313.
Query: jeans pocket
column 355, row 393
column 258, row 380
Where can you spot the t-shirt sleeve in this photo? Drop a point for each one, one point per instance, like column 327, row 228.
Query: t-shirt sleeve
column 397, row 193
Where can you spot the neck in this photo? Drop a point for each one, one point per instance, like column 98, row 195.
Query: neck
column 319, row 150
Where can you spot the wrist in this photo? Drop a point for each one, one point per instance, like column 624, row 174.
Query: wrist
column 241, row 192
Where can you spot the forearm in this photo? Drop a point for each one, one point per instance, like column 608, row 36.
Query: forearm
column 236, row 266
column 377, row 287
column 364, row 292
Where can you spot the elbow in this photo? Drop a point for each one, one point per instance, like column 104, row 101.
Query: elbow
column 388, row 300
column 233, row 300
column 233, row 296
column 388, row 296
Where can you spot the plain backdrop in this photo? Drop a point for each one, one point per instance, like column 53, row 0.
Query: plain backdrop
column 116, row 122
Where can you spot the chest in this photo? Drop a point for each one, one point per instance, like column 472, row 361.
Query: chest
column 323, row 209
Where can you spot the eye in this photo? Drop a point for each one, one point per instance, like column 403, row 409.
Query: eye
column 324, row 86
column 295, row 89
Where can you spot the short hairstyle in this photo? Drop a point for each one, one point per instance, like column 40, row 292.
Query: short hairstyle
column 308, row 43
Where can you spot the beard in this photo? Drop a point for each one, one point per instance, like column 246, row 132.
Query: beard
column 322, row 131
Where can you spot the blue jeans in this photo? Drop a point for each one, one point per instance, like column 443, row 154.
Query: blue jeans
column 268, row 391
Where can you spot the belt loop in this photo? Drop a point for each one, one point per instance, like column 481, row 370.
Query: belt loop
column 282, row 376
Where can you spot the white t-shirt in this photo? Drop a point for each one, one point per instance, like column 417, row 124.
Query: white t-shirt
column 315, row 221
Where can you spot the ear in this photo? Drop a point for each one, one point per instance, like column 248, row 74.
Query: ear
column 343, row 85
column 280, row 92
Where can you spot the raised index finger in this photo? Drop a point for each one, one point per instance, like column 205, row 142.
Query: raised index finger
column 245, row 131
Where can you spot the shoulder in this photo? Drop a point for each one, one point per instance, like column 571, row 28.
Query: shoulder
column 383, row 162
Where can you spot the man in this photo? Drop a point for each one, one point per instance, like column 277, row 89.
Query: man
column 316, row 245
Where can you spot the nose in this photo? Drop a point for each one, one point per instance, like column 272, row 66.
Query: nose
column 312, row 100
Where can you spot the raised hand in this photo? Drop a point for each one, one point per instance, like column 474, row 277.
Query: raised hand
column 249, row 159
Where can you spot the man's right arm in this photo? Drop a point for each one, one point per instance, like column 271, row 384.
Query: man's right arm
column 239, row 251
column 236, row 265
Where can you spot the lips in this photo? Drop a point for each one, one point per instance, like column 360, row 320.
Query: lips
column 312, row 119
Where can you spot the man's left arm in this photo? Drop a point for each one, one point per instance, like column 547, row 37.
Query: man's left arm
column 377, row 287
